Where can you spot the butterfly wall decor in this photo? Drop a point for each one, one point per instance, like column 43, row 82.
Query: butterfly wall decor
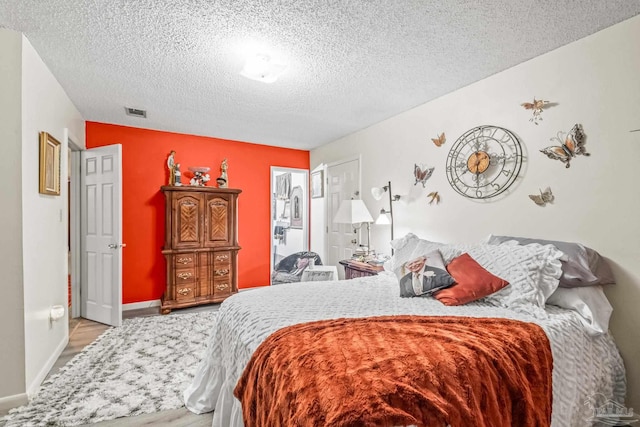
column 537, row 106
column 421, row 175
column 572, row 146
column 441, row 139
column 545, row 197
column 435, row 197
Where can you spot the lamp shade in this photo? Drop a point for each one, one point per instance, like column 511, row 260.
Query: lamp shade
column 352, row 212
column 377, row 192
column 383, row 219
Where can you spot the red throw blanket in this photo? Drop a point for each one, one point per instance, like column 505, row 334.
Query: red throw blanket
column 400, row 371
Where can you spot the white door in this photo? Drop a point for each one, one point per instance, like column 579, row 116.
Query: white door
column 101, row 234
column 343, row 182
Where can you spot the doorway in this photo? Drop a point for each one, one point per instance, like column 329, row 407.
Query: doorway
column 73, row 203
column 343, row 182
column 289, row 215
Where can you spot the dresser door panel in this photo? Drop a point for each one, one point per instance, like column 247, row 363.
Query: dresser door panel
column 218, row 227
column 186, row 222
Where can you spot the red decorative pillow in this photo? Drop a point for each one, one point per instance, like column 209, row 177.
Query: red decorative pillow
column 472, row 282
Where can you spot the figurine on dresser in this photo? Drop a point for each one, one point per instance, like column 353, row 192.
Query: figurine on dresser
column 174, row 169
column 171, row 163
column 223, row 180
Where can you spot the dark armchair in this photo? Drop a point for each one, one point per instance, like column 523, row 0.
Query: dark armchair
column 290, row 268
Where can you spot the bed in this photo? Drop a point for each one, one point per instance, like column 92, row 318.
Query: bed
column 585, row 365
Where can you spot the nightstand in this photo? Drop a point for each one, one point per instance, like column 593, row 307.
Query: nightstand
column 353, row 269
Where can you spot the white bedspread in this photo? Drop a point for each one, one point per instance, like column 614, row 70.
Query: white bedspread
column 583, row 365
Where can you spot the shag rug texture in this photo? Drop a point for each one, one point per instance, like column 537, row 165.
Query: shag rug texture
column 140, row 367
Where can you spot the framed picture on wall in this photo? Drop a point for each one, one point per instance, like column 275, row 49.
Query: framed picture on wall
column 317, row 184
column 296, row 207
column 283, row 186
column 49, row 165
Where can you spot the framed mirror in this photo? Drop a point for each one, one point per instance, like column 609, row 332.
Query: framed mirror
column 289, row 222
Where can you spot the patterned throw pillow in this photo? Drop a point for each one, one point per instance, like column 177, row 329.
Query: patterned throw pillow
column 422, row 275
column 472, row 282
column 532, row 271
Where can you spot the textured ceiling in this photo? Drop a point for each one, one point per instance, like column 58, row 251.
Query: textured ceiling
column 352, row 63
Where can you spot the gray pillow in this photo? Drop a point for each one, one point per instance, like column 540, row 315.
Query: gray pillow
column 581, row 266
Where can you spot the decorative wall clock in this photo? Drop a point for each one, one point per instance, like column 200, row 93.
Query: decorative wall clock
column 484, row 162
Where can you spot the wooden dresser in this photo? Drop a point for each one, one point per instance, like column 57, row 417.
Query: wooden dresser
column 200, row 246
column 353, row 269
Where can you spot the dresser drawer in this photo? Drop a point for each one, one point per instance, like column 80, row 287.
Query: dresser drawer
column 184, row 260
column 221, row 258
column 185, row 292
column 221, row 287
column 184, row 276
column 222, row 272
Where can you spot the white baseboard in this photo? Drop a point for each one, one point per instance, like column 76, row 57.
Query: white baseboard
column 13, row 401
column 35, row 384
column 141, row 304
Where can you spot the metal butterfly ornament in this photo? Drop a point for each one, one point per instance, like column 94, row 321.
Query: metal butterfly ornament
column 545, row 197
column 537, row 106
column 441, row 139
column 435, row 197
column 572, row 146
column 421, row 175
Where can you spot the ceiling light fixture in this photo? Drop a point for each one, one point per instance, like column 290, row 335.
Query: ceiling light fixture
column 262, row 68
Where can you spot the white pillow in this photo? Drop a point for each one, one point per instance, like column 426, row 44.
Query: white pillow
column 404, row 248
column 532, row 271
column 589, row 302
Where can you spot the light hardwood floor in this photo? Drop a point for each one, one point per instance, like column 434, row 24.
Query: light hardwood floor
column 83, row 332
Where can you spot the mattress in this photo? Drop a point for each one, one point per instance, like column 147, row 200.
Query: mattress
column 583, row 366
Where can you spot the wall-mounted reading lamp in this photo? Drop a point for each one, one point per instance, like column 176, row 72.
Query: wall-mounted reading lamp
column 386, row 216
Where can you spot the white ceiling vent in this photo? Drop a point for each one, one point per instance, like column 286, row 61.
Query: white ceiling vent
column 135, row 112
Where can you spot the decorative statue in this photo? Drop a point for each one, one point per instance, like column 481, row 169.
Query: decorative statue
column 177, row 175
column 223, row 181
column 171, row 163
column 200, row 179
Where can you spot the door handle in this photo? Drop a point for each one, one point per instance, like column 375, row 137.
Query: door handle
column 116, row 246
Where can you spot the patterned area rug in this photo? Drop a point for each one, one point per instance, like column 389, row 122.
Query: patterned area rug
column 141, row 367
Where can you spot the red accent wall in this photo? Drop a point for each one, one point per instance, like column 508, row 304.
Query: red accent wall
column 144, row 157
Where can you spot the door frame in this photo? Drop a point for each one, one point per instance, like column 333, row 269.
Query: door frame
column 358, row 158
column 74, row 223
column 306, row 223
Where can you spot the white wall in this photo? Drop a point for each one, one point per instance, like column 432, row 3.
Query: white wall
column 595, row 82
column 34, row 257
column 12, row 387
column 45, row 107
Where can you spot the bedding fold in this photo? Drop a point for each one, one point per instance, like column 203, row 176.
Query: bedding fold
column 399, row 371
